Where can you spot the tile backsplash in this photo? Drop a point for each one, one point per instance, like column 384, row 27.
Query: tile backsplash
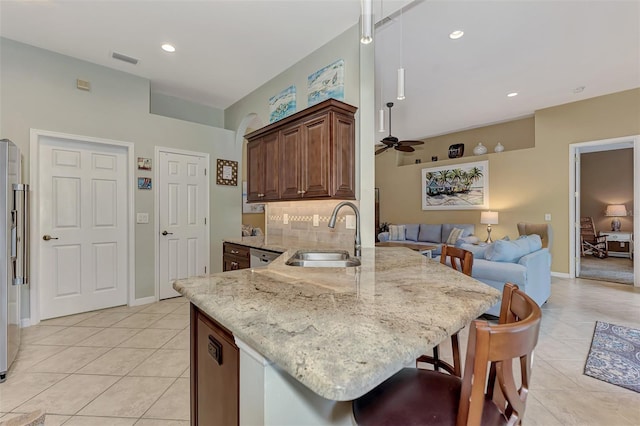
column 300, row 221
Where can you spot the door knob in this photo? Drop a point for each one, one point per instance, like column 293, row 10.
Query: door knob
column 49, row 237
column 167, row 233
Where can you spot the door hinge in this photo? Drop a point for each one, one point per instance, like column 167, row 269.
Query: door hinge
column 205, row 171
column 205, row 220
column 205, row 269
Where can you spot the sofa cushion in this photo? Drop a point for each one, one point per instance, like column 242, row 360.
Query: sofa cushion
column 477, row 250
column 512, row 251
column 411, row 231
column 454, row 235
column 431, row 233
column 396, row 233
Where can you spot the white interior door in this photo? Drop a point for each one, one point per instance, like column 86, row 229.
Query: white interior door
column 83, row 221
column 183, row 196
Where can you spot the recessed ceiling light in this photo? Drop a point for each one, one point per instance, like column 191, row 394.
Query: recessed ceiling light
column 512, row 94
column 456, row 34
column 168, row 48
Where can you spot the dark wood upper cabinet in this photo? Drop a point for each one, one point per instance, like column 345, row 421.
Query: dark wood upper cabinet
column 262, row 160
column 315, row 157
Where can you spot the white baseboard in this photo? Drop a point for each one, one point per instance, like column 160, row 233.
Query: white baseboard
column 143, row 301
column 560, row 275
column 25, row 322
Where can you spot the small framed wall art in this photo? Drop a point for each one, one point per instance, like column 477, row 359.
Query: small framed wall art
column 144, row 163
column 144, row 183
column 227, row 172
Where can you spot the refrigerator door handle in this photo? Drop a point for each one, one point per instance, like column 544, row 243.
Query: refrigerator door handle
column 21, row 235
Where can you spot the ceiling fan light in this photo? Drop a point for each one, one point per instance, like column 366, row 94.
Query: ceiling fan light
column 401, row 84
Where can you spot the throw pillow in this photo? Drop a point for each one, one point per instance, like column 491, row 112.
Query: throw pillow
column 396, row 233
column 454, row 235
column 430, row 233
column 411, row 231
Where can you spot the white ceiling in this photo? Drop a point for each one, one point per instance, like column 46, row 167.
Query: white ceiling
column 227, row 48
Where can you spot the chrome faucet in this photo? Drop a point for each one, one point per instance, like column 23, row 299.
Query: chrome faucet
column 332, row 224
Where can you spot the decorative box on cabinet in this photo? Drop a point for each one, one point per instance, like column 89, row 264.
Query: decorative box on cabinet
column 235, row 257
column 316, row 158
column 215, row 373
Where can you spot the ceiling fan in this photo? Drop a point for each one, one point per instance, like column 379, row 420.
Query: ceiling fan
column 393, row 142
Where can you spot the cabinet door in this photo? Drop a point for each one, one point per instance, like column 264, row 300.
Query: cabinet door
column 291, row 146
column 262, row 172
column 316, row 157
column 343, row 172
column 255, row 170
column 270, row 152
column 215, row 373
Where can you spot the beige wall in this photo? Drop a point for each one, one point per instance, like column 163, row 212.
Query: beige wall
column 524, row 184
column 515, row 134
column 38, row 91
column 606, row 178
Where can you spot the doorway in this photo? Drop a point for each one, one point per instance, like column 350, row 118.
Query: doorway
column 82, row 224
column 183, row 217
column 603, row 174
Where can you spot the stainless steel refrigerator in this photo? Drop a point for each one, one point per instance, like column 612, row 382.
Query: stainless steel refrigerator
column 14, row 251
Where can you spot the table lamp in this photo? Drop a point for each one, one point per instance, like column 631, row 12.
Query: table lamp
column 615, row 210
column 489, row 218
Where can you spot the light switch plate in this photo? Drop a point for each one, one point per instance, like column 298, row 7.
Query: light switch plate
column 547, row 216
column 316, row 220
column 285, row 219
column 351, row 221
column 142, row 218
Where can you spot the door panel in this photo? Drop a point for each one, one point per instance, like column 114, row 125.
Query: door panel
column 184, row 207
column 83, row 208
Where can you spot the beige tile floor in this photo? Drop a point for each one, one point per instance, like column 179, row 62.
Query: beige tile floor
column 130, row 365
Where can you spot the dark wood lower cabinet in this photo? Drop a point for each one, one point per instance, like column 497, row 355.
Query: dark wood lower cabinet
column 215, row 373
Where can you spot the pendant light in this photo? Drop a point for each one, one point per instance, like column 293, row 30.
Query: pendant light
column 401, row 69
column 381, row 119
column 366, row 19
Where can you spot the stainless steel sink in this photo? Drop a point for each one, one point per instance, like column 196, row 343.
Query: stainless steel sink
column 323, row 258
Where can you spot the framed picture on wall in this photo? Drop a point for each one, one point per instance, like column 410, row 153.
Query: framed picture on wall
column 461, row 187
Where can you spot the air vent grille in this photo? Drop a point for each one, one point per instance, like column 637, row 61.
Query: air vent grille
column 125, row 58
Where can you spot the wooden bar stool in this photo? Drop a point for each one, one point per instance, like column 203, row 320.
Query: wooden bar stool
column 460, row 260
column 488, row 394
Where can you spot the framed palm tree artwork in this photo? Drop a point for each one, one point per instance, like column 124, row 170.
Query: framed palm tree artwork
column 459, row 187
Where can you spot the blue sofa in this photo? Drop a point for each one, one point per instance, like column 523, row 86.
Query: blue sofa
column 435, row 234
column 523, row 262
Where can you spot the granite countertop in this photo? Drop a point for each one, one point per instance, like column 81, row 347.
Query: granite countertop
column 282, row 244
column 342, row 331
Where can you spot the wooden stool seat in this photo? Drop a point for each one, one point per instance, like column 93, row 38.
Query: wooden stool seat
column 400, row 401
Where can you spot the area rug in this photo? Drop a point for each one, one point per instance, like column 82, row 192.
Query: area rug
column 614, row 356
column 617, row 270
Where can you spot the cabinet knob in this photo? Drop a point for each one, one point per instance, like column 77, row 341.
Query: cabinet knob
column 234, row 251
column 234, row 265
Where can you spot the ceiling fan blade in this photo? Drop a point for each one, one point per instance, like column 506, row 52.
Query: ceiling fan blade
column 407, row 143
column 404, row 148
column 381, row 150
column 389, row 140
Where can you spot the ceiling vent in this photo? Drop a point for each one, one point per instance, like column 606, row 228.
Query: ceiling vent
column 125, row 58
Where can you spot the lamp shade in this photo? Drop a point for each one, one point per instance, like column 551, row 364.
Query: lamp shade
column 616, row 210
column 489, row 218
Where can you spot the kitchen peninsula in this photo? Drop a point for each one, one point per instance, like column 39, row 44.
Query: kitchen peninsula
column 309, row 340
